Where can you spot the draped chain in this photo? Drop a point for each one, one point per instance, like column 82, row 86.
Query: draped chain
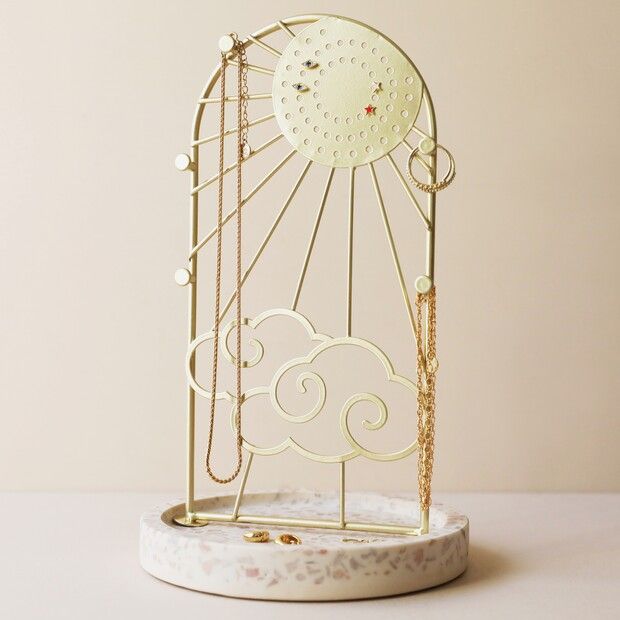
column 426, row 374
column 242, row 130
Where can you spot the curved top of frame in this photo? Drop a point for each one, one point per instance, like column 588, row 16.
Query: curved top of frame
column 294, row 21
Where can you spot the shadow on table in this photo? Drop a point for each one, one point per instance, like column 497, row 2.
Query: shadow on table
column 484, row 565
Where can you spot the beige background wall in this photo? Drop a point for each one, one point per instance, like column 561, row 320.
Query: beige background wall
column 97, row 98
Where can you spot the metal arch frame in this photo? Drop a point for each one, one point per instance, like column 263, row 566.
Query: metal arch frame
column 194, row 517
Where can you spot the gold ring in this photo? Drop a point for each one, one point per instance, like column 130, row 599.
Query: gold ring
column 431, row 188
column 256, row 536
column 288, row 539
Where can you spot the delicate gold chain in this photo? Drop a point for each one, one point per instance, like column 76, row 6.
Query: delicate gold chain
column 242, row 125
column 427, row 370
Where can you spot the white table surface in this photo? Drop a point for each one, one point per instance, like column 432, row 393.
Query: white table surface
column 531, row 556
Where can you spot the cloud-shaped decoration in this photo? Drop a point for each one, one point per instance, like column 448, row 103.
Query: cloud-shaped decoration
column 304, row 378
column 256, row 344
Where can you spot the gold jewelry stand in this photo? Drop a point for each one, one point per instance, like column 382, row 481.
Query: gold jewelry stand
column 349, row 128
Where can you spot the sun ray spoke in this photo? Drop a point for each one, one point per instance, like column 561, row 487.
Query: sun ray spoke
column 244, row 480
column 407, row 189
column 253, row 97
column 390, row 238
column 315, row 229
column 350, row 250
column 421, row 133
column 232, row 212
column 418, row 157
column 232, row 130
column 269, row 234
column 264, row 46
column 254, row 68
column 286, row 29
column 214, row 178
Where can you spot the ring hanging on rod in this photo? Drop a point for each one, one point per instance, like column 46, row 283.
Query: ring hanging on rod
column 431, row 188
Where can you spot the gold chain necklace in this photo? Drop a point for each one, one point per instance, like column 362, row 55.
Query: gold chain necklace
column 426, row 374
column 242, row 130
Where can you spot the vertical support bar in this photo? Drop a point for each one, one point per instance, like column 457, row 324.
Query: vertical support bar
column 191, row 395
column 190, row 517
column 432, row 174
column 430, row 232
column 349, row 315
column 341, row 502
column 350, row 250
column 424, row 521
column 244, row 479
column 315, row 229
column 430, row 251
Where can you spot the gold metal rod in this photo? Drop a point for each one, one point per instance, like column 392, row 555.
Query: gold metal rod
column 269, row 175
column 424, row 521
column 430, row 253
column 408, row 190
column 234, row 98
column 424, row 164
column 233, row 130
column 315, row 229
column 430, row 235
column 231, row 213
column 390, row 238
column 341, row 499
column 244, row 480
column 409, row 147
column 192, row 307
column 214, row 178
column 418, row 156
column 420, row 133
column 286, row 29
column 383, row 529
column 255, row 68
column 379, row 528
column 350, row 249
column 263, row 245
column 264, row 45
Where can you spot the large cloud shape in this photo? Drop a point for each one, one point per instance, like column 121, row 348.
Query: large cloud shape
column 301, row 368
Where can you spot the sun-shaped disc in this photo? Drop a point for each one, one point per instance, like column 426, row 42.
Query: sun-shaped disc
column 343, row 94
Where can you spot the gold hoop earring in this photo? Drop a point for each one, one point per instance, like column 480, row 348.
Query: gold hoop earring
column 431, row 188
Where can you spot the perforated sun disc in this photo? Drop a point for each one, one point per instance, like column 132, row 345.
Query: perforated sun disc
column 343, row 94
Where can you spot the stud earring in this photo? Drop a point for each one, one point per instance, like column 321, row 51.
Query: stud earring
column 288, row 539
column 256, row 536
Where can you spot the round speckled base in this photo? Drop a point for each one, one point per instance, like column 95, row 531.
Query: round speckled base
column 216, row 559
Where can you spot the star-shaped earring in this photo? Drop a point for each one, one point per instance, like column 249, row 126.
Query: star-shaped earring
column 370, row 109
column 375, row 87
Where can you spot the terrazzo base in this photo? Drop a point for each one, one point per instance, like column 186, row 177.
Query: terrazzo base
column 216, row 559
